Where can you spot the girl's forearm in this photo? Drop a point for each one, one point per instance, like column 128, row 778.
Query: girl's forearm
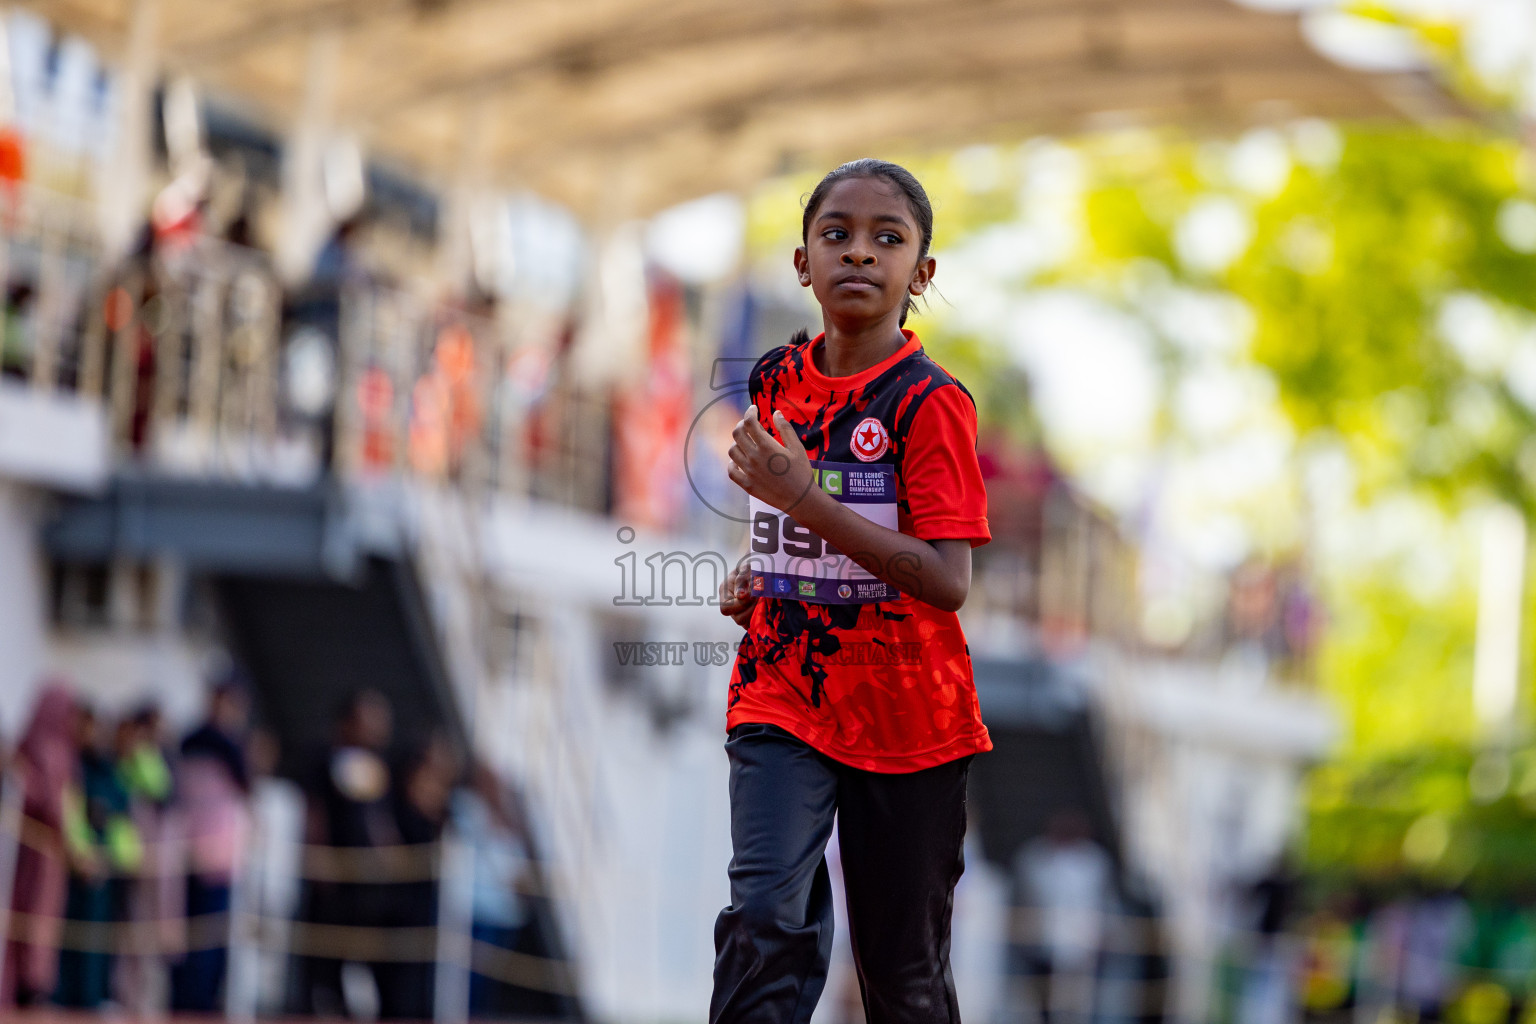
column 908, row 563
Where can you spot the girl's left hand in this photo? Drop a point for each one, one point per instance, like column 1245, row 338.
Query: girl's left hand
column 736, row 599
column 779, row 474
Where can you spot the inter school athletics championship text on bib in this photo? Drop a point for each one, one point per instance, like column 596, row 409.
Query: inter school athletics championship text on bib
column 789, row 560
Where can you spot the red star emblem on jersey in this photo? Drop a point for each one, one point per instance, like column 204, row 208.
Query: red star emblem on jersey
column 869, row 440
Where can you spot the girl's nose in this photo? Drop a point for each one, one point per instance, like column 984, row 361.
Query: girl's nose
column 863, row 259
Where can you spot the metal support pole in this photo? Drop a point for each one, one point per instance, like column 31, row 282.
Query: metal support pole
column 458, row 254
column 125, row 178
column 242, row 976
column 206, row 313
column 1500, row 601
column 455, row 938
column 53, row 229
column 305, row 216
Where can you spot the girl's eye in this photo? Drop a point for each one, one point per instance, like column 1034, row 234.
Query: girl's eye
column 834, row 234
column 890, row 238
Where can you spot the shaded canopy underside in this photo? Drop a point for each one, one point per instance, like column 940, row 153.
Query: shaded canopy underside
column 621, row 107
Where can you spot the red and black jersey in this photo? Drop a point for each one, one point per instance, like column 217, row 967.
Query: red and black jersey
column 885, row 686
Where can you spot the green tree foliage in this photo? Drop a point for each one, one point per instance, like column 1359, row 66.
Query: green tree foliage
column 1354, row 272
column 1348, row 273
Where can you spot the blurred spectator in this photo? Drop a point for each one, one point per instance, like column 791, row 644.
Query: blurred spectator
column 315, row 309
column 351, row 806
column 239, row 230
column 178, row 216
column 145, row 773
column 144, row 766
column 129, row 381
column 339, row 261
column 17, row 339
column 1067, row 879
column 1385, row 936
column 1266, row 997
column 1438, row 927
column 214, row 786
column 421, row 801
column 48, row 759
column 1332, row 938
column 484, row 820
column 98, row 884
column 445, row 405
column 1271, row 617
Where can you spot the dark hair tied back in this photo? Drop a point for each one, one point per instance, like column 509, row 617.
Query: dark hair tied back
column 898, row 176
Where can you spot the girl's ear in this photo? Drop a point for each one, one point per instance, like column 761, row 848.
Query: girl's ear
column 923, row 275
column 803, row 266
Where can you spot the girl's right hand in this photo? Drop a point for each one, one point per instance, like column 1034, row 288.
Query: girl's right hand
column 735, row 601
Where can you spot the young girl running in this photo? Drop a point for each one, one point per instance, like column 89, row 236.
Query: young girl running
column 852, row 694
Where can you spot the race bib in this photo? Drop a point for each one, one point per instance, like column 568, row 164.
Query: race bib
column 788, row 560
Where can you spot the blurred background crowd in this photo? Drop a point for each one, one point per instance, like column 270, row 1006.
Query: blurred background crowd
column 124, row 848
column 366, row 376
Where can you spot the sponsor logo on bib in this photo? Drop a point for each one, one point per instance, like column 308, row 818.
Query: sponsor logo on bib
column 845, row 591
column 869, row 440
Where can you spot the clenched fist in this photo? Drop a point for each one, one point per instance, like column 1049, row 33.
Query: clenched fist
column 779, row 474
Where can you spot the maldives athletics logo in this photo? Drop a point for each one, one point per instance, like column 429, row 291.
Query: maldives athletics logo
column 869, row 440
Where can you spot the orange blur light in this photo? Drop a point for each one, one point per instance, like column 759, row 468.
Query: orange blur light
column 456, row 352
column 118, row 309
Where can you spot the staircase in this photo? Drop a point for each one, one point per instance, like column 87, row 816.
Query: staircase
column 319, row 592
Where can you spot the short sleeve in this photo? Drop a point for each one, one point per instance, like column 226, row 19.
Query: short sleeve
column 941, row 473
column 755, row 387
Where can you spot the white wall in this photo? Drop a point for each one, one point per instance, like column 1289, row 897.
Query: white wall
column 117, row 671
column 23, row 635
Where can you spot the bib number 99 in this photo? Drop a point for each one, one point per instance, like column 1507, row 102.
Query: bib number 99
column 772, row 533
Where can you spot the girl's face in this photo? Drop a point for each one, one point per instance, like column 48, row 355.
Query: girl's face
column 860, row 252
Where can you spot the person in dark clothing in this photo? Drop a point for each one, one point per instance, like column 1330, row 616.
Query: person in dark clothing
column 1264, row 995
column 153, row 894
column 214, row 783
column 98, row 897
column 406, row 990
column 352, row 806
column 221, row 738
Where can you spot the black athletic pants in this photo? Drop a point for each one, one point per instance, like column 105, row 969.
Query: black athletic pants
column 901, row 838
